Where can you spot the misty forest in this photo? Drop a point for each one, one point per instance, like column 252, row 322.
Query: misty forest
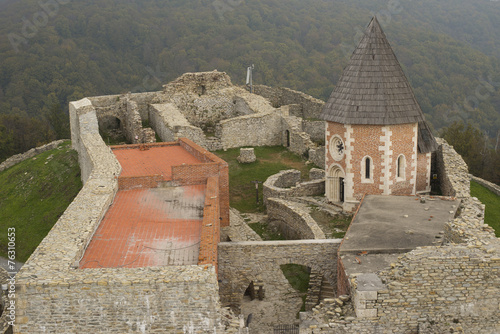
column 56, row 51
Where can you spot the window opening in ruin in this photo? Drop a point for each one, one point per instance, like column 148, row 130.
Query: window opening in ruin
column 287, row 134
column 250, row 291
column 202, row 89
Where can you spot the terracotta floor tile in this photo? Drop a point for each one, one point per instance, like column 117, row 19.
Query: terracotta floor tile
column 149, row 227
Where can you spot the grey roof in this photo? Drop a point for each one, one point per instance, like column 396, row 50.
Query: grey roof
column 374, row 90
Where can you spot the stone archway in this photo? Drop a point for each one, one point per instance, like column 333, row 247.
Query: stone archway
column 335, row 184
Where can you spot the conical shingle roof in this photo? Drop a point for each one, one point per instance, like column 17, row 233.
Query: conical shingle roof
column 373, row 88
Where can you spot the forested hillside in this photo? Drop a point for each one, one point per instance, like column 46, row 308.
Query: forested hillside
column 55, row 51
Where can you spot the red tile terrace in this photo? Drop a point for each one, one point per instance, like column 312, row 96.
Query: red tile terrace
column 172, row 199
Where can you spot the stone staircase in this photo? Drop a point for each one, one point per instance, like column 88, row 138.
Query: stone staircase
column 327, row 290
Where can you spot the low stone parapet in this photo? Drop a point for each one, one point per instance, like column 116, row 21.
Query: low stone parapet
column 495, row 188
column 15, row 159
column 294, row 222
column 286, row 184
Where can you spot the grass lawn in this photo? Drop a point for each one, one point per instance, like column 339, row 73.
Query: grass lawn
column 270, row 160
column 34, row 194
column 492, row 202
column 263, row 230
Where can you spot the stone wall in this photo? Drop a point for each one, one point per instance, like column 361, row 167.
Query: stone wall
column 495, row 188
column 293, row 220
column 170, row 124
column 317, row 156
column 243, row 262
column 52, row 292
column 297, row 141
column 15, row 159
column 262, row 129
column 452, row 171
column 315, row 130
column 286, row 184
column 310, row 107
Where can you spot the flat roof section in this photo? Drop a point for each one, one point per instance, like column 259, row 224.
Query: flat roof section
column 155, row 160
column 149, row 227
column 397, row 224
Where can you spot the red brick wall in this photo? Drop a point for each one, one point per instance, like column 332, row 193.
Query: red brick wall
column 189, row 173
column 135, row 146
column 334, row 129
column 210, row 228
column 222, row 170
column 367, row 143
column 134, row 182
column 422, row 164
column 343, row 287
column 402, row 143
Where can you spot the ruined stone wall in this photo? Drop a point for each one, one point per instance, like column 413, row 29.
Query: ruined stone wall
column 243, row 262
column 452, row 171
column 142, row 99
column 292, row 220
column 170, row 124
column 315, row 130
column 317, row 156
column 52, row 292
column 286, row 184
column 297, row 141
column 262, row 129
column 15, row 159
column 279, row 96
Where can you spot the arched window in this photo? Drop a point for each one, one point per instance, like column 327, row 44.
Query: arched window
column 367, row 170
column 400, row 168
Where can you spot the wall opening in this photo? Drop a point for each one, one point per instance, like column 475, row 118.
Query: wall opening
column 335, row 184
column 201, row 90
column 111, row 130
column 287, row 138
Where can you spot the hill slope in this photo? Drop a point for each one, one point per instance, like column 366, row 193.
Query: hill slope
column 34, row 194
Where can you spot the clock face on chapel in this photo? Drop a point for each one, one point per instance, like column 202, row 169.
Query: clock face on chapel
column 337, row 148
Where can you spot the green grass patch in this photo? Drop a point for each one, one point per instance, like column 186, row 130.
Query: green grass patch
column 334, row 226
column 270, row 160
column 34, row 194
column 265, row 232
column 492, row 202
column 297, row 275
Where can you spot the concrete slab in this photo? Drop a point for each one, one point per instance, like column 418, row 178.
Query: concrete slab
column 369, row 263
column 397, row 224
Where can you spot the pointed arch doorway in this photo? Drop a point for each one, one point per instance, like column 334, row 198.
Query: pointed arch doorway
column 335, row 184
